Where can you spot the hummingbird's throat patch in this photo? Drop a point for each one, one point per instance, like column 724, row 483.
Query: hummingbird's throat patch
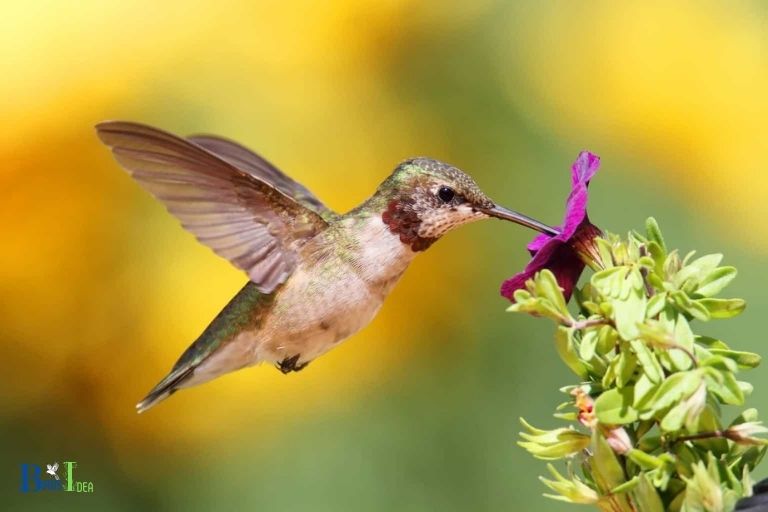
column 402, row 220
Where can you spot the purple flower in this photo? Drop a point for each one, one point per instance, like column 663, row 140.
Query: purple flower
column 565, row 253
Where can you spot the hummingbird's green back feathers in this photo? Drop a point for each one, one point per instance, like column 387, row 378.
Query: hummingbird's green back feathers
column 245, row 311
column 242, row 217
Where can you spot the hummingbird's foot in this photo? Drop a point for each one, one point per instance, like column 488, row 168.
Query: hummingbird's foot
column 289, row 364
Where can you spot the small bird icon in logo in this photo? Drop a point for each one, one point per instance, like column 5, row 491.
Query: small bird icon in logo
column 52, row 469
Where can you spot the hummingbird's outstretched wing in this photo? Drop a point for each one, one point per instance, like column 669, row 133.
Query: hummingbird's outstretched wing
column 256, row 165
column 248, row 221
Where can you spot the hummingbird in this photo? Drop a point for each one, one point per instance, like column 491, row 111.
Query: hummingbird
column 315, row 276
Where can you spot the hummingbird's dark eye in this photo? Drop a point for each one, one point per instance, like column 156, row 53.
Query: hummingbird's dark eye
column 446, row 194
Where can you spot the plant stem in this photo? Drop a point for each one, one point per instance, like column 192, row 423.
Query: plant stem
column 687, row 352
column 584, row 324
column 702, row 435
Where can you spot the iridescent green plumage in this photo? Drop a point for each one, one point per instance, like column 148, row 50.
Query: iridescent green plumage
column 247, row 309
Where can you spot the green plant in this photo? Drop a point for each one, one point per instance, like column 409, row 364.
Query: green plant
column 646, row 421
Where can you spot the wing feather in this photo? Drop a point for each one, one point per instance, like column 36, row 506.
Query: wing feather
column 256, row 165
column 241, row 214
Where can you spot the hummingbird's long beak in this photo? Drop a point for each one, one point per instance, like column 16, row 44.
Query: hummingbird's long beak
column 503, row 213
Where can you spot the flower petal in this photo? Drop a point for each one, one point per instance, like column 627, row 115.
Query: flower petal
column 582, row 170
column 585, row 166
column 557, row 253
column 539, row 242
column 558, row 257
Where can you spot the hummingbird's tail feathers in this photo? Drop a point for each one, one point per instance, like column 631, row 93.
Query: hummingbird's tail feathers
column 165, row 388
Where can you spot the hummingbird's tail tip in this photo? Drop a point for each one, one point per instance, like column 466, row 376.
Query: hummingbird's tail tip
column 151, row 399
column 165, row 388
column 143, row 406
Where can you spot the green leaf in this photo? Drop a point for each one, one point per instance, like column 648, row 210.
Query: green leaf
column 643, row 427
column 625, row 368
column 696, row 270
column 530, row 428
column 710, row 343
column 588, row 344
column 724, row 386
column 644, row 390
column 567, row 351
column 656, row 304
column 690, row 306
column 686, row 411
column 605, row 252
column 742, row 359
column 747, row 416
column 658, row 254
column 552, row 444
column 554, row 451
column 629, row 312
column 752, row 456
column 606, row 340
column 625, row 487
column 662, row 477
column 610, row 374
column 609, row 282
column 700, row 352
column 722, row 308
column 676, row 505
column 685, row 458
column 546, row 286
column 705, row 491
column 683, row 337
column 745, row 387
column 746, row 481
column 672, row 264
column 621, row 252
column 653, row 232
column 525, row 302
column 720, row 362
column 644, row 460
column 648, row 361
column 657, row 333
column 645, row 496
column 634, row 282
column 656, row 281
column 570, row 490
column 606, row 469
column 676, row 387
column 716, row 281
column 614, row 407
column 647, row 263
column 649, row 443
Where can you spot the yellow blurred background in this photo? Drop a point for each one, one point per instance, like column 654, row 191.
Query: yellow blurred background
column 102, row 290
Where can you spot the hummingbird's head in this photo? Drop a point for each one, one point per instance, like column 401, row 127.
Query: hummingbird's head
column 425, row 199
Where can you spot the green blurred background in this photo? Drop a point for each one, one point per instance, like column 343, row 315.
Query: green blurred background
column 101, row 289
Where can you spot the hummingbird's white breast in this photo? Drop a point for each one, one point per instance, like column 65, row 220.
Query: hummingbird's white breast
column 345, row 276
